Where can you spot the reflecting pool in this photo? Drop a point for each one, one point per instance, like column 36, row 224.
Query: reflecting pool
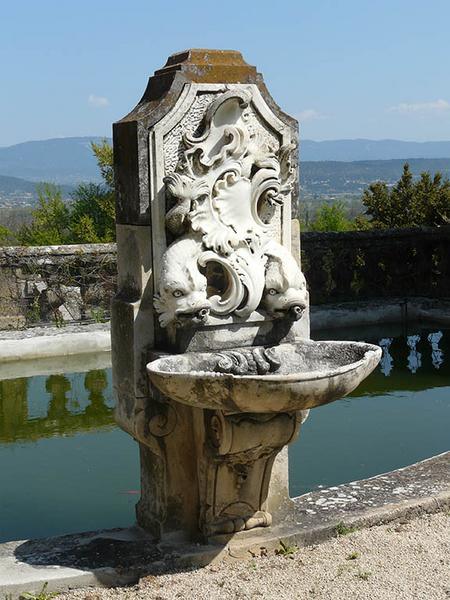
column 399, row 415
column 66, row 467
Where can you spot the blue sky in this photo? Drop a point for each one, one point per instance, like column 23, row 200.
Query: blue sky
column 344, row 68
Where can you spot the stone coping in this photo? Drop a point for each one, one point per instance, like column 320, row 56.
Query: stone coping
column 12, row 252
column 122, row 556
column 38, row 343
column 51, row 330
column 376, row 312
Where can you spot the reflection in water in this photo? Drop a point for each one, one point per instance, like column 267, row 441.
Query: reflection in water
column 57, row 386
column 66, row 407
column 414, row 357
column 386, row 362
column 81, row 402
column 393, row 350
column 437, row 356
column 76, row 482
column 397, row 416
column 13, row 407
column 95, row 383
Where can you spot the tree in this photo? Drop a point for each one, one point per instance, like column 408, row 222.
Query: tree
column 105, row 160
column 409, row 203
column 5, row 235
column 92, row 214
column 89, row 218
column 93, row 210
column 433, row 200
column 51, row 220
column 331, row 218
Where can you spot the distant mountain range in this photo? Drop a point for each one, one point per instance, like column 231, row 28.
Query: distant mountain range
column 351, row 150
column 337, row 166
column 334, row 177
column 15, row 191
column 11, row 185
column 60, row 160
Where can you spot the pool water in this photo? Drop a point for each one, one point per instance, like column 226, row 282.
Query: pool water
column 399, row 415
column 66, row 467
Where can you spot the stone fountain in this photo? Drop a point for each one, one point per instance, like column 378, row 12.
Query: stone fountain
column 213, row 367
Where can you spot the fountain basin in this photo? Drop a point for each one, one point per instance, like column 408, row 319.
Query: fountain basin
column 283, row 378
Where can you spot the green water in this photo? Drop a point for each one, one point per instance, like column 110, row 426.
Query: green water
column 399, row 415
column 65, row 467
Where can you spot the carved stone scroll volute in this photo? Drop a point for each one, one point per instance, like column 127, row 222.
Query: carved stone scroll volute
column 227, row 185
column 235, row 467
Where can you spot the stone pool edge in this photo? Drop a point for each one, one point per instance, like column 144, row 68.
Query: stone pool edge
column 47, row 342
column 382, row 310
column 423, row 487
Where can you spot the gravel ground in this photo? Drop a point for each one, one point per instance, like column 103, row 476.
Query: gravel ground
column 399, row 561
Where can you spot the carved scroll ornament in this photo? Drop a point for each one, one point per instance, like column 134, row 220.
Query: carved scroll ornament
column 225, row 190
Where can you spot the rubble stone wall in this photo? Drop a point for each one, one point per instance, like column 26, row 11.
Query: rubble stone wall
column 58, row 284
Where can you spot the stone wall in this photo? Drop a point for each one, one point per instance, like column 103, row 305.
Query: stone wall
column 56, row 284
column 361, row 265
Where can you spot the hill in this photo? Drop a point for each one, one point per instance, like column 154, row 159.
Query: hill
column 69, row 161
column 15, row 191
column 60, row 160
column 333, row 177
column 361, row 149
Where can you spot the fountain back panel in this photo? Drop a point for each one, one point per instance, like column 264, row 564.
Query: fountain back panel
column 212, row 363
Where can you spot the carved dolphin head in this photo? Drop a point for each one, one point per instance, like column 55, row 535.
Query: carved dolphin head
column 285, row 293
column 181, row 307
column 182, row 297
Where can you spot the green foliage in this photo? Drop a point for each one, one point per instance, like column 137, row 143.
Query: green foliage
column 42, row 595
column 90, row 218
column 286, row 550
column 328, row 267
column 361, row 223
column 92, row 214
column 93, row 209
column 105, row 160
column 5, row 235
column 51, row 220
column 409, row 203
column 58, row 319
column 331, row 217
column 352, row 556
column 364, row 575
column 343, row 529
column 252, row 565
column 34, row 311
column 98, row 315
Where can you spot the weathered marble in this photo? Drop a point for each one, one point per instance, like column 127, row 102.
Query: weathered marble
column 209, row 271
column 285, row 378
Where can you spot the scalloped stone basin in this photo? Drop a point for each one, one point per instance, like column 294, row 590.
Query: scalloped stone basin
column 284, row 378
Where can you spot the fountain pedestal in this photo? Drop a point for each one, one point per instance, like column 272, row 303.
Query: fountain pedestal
column 209, row 274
